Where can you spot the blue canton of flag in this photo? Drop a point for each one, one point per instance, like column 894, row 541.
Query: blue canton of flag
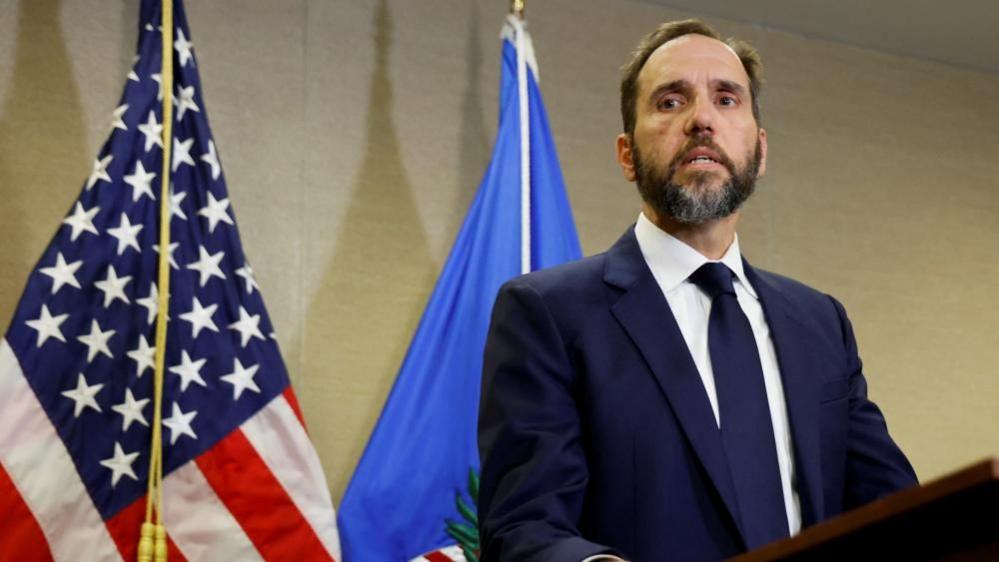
column 241, row 480
column 403, row 493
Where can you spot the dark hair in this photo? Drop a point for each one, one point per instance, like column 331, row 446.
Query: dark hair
column 671, row 30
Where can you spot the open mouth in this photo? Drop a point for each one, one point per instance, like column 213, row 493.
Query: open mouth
column 702, row 160
column 702, row 156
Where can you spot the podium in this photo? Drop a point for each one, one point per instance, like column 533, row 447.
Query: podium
column 954, row 518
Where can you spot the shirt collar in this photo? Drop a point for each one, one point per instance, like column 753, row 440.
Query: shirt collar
column 673, row 261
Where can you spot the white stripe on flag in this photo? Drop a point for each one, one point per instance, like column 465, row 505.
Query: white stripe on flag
column 452, row 553
column 40, row 466
column 198, row 522
column 283, row 445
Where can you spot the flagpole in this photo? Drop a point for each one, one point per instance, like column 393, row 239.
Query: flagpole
column 517, row 7
column 152, row 542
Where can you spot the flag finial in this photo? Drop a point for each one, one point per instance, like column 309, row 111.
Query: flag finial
column 517, row 8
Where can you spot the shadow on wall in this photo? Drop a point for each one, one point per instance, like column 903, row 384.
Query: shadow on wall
column 474, row 140
column 43, row 149
column 360, row 322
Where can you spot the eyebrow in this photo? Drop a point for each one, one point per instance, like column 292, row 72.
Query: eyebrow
column 668, row 87
column 734, row 87
column 685, row 86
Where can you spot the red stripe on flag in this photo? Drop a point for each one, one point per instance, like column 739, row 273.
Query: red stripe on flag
column 289, row 395
column 126, row 526
column 21, row 538
column 259, row 503
column 437, row 556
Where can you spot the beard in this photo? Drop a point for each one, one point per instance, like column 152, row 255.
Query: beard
column 694, row 201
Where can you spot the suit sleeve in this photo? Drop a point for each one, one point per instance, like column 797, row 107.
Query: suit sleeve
column 534, row 473
column 875, row 466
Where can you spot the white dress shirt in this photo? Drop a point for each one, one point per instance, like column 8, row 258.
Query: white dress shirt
column 672, row 262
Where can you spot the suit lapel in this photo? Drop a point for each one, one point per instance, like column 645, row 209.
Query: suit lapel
column 793, row 340
column 644, row 314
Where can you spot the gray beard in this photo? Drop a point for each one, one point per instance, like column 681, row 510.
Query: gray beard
column 695, row 203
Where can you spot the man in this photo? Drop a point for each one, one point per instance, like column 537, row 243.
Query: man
column 665, row 400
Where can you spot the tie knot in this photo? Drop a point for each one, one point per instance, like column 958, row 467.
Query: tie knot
column 714, row 278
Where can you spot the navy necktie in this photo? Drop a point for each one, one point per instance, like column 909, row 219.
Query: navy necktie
column 746, row 430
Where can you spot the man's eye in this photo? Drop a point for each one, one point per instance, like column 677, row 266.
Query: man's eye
column 670, row 103
column 727, row 100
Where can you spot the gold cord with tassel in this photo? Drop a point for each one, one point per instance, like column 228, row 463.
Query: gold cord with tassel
column 152, row 541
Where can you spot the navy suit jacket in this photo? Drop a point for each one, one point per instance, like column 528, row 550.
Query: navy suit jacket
column 597, row 435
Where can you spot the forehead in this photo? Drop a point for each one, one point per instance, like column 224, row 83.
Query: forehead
column 693, row 58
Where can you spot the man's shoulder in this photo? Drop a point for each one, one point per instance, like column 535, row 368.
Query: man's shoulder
column 572, row 294
column 807, row 303
column 569, row 278
column 788, row 286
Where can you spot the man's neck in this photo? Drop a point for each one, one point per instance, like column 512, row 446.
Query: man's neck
column 711, row 238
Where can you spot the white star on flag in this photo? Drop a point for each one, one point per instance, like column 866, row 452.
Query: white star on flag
column 182, row 153
column 141, row 182
column 113, row 287
column 180, row 423
column 100, row 171
column 212, row 159
column 144, row 357
column 151, row 303
column 131, row 73
column 200, row 317
column 131, row 410
column 241, row 378
column 153, row 132
column 120, row 464
column 83, row 396
column 183, row 47
column 248, row 326
column 81, row 220
column 185, row 101
column 158, row 78
column 97, row 341
column 116, row 118
column 172, row 247
column 127, row 234
column 62, row 273
column 207, row 265
column 47, row 326
column 215, row 212
column 175, row 200
column 246, row 272
column 188, row 371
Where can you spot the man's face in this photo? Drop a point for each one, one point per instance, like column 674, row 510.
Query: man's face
column 697, row 150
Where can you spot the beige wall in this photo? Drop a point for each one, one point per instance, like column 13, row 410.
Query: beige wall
column 354, row 134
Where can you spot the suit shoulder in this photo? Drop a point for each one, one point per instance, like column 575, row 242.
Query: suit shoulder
column 819, row 306
column 572, row 294
column 567, row 278
column 790, row 287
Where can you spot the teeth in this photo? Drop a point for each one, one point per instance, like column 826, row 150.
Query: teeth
column 702, row 159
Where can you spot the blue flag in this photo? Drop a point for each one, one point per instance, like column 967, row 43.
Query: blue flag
column 423, row 448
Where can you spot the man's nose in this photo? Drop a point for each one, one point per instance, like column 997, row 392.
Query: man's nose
column 700, row 118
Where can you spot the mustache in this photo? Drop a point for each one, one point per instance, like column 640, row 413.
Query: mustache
column 701, row 141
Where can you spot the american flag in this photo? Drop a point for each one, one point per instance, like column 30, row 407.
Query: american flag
column 241, row 479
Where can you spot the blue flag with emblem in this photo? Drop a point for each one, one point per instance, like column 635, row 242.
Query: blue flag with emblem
column 402, row 496
column 241, row 480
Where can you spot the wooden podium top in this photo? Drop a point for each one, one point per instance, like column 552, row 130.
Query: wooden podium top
column 952, row 518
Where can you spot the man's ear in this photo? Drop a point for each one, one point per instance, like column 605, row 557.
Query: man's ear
column 763, row 152
column 625, row 157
